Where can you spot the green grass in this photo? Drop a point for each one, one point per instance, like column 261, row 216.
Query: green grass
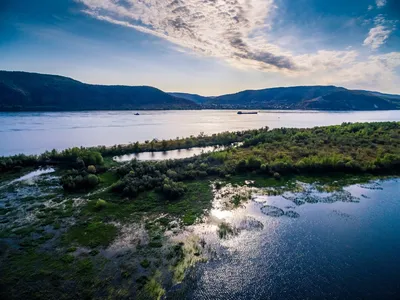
column 197, row 198
column 107, row 178
column 145, row 263
column 91, row 235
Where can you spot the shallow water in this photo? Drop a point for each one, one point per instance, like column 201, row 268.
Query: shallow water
column 341, row 245
column 34, row 133
column 171, row 154
column 32, row 175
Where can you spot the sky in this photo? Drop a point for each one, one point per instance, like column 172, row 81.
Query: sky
column 208, row 47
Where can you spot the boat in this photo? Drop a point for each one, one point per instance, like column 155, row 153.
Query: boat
column 137, row 114
column 247, row 112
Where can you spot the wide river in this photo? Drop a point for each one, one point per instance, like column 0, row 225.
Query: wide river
column 33, row 133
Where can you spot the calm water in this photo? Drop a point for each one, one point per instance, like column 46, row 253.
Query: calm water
column 342, row 247
column 33, row 133
column 171, row 154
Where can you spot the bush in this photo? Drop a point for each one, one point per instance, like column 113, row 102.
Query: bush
column 76, row 181
column 218, row 185
column 100, row 204
column 241, row 166
column 145, row 263
column 253, row 164
column 91, row 169
column 277, row 176
column 173, row 190
column 92, row 180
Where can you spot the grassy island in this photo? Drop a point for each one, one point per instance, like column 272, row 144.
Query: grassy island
column 97, row 229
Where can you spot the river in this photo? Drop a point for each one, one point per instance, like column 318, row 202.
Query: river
column 34, row 133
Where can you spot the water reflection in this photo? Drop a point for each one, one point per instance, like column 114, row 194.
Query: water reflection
column 171, row 154
column 332, row 249
column 31, row 175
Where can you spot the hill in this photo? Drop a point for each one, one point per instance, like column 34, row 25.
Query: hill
column 303, row 97
column 192, row 97
column 22, row 91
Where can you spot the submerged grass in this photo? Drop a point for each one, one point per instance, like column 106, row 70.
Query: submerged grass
column 91, row 235
column 189, row 207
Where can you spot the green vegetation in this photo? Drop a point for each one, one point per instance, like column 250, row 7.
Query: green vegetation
column 22, row 91
column 351, row 148
column 70, row 231
column 225, row 230
column 100, row 204
column 92, row 235
column 74, row 181
column 79, row 158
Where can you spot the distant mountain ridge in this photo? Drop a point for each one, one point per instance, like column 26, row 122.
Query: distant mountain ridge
column 301, row 97
column 192, row 97
column 22, row 91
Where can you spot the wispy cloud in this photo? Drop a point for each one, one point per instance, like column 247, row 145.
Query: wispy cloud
column 380, row 3
column 377, row 36
column 234, row 30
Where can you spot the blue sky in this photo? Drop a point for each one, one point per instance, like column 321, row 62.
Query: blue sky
column 209, row 47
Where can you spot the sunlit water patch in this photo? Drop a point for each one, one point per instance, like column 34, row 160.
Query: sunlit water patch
column 312, row 244
column 31, row 176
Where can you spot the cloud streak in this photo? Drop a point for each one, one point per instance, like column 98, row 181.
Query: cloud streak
column 230, row 29
column 377, row 36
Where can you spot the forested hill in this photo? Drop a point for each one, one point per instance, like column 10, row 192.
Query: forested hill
column 301, row 97
column 21, row 91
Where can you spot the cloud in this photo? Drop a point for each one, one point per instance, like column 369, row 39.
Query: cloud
column 234, row 30
column 374, row 73
column 370, row 7
column 377, row 36
column 238, row 32
column 380, row 3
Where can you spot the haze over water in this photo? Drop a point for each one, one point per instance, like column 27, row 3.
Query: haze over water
column 36, row 132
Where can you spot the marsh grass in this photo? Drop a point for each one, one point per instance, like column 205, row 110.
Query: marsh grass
column 93, row 234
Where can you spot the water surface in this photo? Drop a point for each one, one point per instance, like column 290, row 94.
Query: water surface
column 34, row 133
column 346, row 245
column 170, row 154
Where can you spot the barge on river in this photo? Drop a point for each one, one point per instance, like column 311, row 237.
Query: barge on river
column 247, row 112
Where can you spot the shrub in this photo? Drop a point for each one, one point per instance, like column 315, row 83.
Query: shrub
column 76, row 181
column 92, row 169
column 241, row 166
column 92, row 180
column 100, row 204
column 145, row 263
column 277, row 176
column 253, row 163
column 173, row 190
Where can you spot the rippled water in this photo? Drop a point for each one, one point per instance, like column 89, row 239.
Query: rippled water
column 33, row 133
column 341, row 245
